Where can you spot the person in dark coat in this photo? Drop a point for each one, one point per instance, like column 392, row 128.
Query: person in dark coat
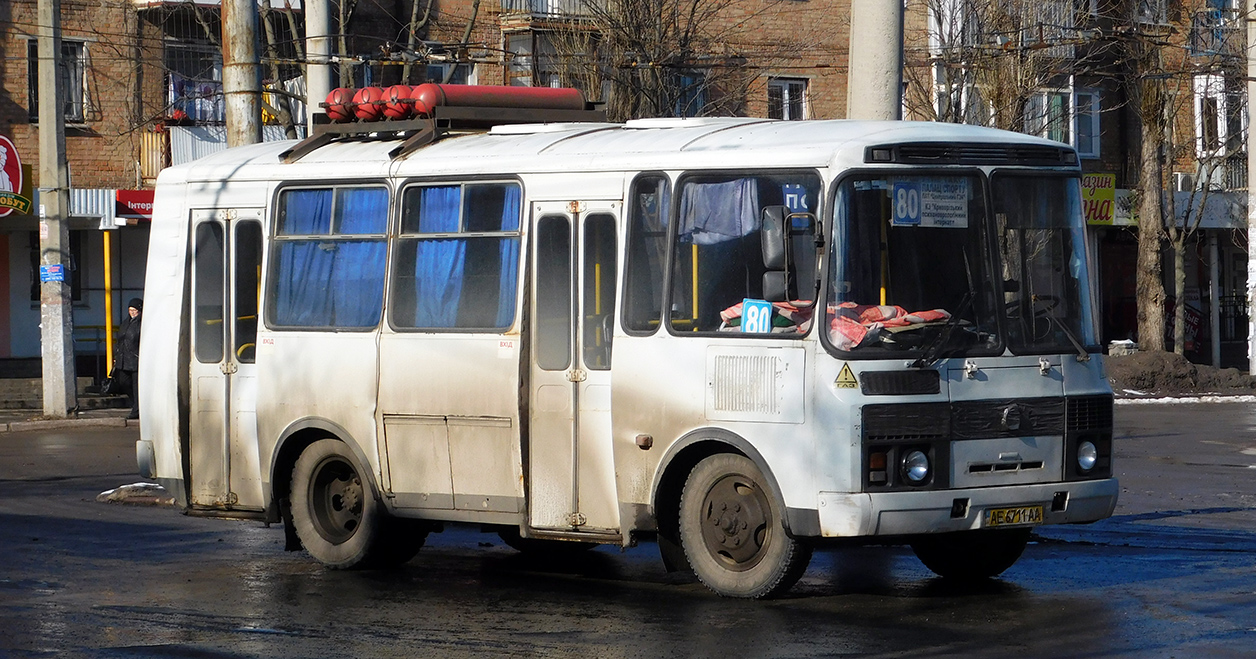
column 127, row 362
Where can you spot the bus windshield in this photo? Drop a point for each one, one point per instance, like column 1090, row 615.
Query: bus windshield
column 1041, row 239
column 910, row 268
column 926, row 266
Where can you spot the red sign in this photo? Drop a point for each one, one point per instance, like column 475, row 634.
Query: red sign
column 11, row 198
column 134, row 204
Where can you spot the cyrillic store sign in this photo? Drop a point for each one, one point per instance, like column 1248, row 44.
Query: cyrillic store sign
column 11, row 198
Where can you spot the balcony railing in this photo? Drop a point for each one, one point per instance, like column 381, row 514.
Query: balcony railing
column 1228, row 174
column 1215, row 33
column 546, row 8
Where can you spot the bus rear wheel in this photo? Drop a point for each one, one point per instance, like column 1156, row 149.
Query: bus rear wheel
column 337, row 517
column 732, row 531
column 971, row 555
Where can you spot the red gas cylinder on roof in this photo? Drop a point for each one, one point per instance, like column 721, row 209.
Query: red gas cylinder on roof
column 369, row 107
column 340, row 105
column 400, row 105
column 430, row 95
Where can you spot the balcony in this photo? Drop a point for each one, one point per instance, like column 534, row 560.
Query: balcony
column 1216, row 33
column 1226, row 173
column 545, row 9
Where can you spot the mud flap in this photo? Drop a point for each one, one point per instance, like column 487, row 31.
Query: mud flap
column 290, row 540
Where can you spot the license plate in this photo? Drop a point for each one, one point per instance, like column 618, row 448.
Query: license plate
column 1014, row 516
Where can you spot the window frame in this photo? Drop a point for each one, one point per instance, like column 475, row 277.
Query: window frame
column 676, row 190
column 785, row 84
column 276, row 239
column 76, row 106
column 1041, row 126
column 397, row 236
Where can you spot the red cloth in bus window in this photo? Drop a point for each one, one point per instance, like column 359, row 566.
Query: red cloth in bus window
column 852, row 322
column 789, row 317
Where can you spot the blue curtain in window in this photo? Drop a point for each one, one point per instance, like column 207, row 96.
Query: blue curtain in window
column 509, row 259
column 362, row 210
column 357, row 283
column 438, row 264
column 712, row 213
column 306, row 212
column 438, row 209
column 303, row 270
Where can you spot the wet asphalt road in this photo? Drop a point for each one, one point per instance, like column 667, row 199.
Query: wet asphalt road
column 1173, row 574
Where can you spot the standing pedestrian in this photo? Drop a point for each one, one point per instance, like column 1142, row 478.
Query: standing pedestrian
column 127, row 363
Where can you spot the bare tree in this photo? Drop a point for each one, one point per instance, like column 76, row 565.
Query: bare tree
column 660, row 58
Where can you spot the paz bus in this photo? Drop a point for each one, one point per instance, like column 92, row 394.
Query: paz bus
column 736, row 337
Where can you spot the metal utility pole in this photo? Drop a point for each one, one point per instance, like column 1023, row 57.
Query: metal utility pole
column 241, row 72
column 56, row 313
column 874, row 87
column 1251, row 187
column 318, row 56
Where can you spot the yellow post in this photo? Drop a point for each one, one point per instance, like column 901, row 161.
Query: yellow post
column 108, row 299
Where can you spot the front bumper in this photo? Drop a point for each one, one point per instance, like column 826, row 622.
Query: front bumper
column 910, row 513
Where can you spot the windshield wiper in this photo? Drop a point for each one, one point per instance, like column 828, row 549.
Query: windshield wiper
column 943, row 338
column 1082, row 355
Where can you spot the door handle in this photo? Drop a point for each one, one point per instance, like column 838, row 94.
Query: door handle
column 228, row 367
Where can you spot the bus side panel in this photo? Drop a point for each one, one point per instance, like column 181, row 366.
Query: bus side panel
column 667, row 387
column 163, row 387
column 329, row 376
column 449, row 407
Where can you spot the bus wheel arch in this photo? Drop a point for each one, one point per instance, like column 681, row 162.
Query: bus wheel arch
column 332, row 507
column 682, row 457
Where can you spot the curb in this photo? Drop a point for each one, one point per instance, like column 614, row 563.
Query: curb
column 58, row 424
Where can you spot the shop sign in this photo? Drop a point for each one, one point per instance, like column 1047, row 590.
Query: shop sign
column 1099, row 198
column 11, row 198
column 134, row 204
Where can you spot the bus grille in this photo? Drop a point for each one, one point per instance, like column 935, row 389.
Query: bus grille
column 1092, row 413
column 746, row 384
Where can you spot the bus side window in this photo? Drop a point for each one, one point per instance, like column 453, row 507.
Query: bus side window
column 208, row 297
column 598, row 306
column 648, row 210
column 247, row 269
column 457, row 258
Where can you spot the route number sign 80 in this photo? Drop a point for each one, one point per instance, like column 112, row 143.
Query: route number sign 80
column 906, row 203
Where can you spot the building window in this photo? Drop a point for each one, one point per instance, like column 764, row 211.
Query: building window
column 787, row 99
column 194, row 82
column 691, row 97
column 1219, row 115
column 1049, row 114
column 72, row 72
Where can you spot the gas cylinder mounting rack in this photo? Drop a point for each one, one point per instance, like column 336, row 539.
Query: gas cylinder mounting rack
column 433, row 111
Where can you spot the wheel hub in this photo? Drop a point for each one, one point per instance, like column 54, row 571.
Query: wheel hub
column 337, row 497
column 736, row 522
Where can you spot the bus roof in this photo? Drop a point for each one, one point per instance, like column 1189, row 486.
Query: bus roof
column 646, row 144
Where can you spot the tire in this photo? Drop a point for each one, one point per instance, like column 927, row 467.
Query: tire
column 337, row 516
column 542, row 547
column 971, row 555
column 732, row 531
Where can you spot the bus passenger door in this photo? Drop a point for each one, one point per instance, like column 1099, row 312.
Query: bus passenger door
column 575, row 266
column 226, row 272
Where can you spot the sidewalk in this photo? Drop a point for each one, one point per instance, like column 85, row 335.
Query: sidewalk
column 26, row 420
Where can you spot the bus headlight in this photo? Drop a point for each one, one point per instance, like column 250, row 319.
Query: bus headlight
column 1087, row 456
column 916, row 466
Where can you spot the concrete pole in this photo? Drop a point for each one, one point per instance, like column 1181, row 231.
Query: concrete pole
column 1251, row 187
column 874, row 83
column 241, row 72
column 56, row 313
column 1214, row 295
column 317, row 54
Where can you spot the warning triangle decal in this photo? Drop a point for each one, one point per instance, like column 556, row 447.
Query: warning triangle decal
column 846, row 379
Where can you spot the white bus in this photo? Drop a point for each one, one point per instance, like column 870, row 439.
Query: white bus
column 736, row 336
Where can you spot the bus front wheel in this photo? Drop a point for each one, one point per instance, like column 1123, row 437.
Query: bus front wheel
column 971, row 555
column 732, row 532
column 337, row 517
